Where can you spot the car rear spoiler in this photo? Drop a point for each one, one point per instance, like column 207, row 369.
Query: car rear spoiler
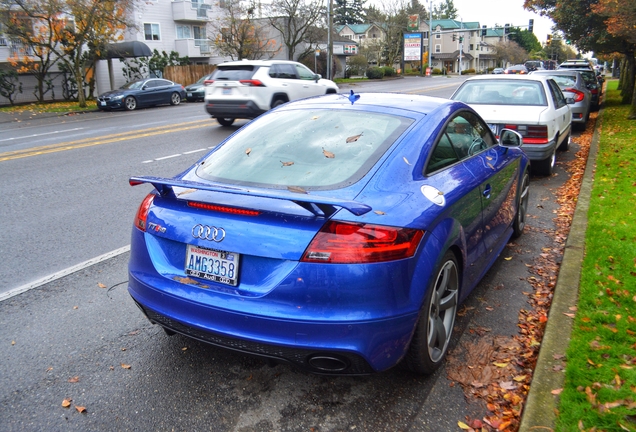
column 318, row 205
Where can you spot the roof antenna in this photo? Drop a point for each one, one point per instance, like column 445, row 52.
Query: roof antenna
column 353, row 97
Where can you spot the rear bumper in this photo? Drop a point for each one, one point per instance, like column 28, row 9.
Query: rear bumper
column 539, row 152
column 246, row 109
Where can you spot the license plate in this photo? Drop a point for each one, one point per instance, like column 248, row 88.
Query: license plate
column 189, row 94
column 227, row 91
column 493, row 128
column 102, row 103
column 213, row 265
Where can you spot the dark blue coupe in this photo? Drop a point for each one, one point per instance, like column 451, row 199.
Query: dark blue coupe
column 337, row 233
column 142, row 93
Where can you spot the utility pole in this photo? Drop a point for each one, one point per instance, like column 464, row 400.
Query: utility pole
column 430, row 37
column 330, row 40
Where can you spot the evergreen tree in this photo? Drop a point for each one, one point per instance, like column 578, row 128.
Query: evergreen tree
column 349, row 12
column 446, row 10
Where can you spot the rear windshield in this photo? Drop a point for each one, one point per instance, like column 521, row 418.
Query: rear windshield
column 564, row 81
column 501, row 92
column 234, row 73
column 310, row 149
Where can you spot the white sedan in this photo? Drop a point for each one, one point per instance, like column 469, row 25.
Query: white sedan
column 532, row 105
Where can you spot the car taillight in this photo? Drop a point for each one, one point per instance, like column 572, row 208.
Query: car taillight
column 578, row 95
column 252, row 83
column 142, row 212
column 348, row 243
column 208, row 82
column 532, row 134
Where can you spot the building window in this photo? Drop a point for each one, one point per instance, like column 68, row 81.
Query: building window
column 151, row 32
column 438, row 35
column 471, row 47
column 438, row 48
column 199, row 35
column 183, row 32
column 425, row 35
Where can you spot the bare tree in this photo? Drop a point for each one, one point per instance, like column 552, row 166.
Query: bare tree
column 239, row 35
column 393, row 20
column 294, row 19
column 510, row 51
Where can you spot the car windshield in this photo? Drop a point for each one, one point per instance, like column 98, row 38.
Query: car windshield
column 311, row 149
column 501, row 92
column 133, row 85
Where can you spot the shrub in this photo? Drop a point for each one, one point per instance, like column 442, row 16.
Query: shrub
column 437, row 71
column 375, row 73
column 469, row 71
column 388, row 71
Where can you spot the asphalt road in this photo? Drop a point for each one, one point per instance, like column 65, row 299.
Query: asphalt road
column 80, row 337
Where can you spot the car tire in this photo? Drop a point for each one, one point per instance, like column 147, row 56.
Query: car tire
column 130, row 103
column 522, row 206
column 434, row 328
column 225, row 121
column 175, row 99
column 277, row 102
column 545, row 167
column 565, row 144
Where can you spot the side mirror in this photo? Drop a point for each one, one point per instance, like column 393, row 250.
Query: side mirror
column 317, row 77
column 569, row 101
column 144, row 88
column 510, row 138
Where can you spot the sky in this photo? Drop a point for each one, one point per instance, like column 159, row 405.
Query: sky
column 491, row 12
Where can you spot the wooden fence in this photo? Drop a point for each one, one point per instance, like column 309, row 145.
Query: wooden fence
column 187, row 75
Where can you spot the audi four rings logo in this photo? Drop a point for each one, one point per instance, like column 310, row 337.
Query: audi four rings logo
column 205, row 232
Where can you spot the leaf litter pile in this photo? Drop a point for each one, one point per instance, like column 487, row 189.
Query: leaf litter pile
column 498, row 369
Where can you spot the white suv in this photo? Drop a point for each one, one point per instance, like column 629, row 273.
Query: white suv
column 246, row 89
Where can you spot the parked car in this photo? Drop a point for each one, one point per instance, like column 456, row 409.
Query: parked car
column 337, row 233
column 196, row 92
column 142, row 93
column 516, row 69
column 533, row 105
column 594, row 85
column 576, row 64
column 497, row 71
column 573, row 86
column 246, row 89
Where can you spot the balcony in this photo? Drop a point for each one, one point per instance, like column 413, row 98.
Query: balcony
column 193, row 47
column 190, row 11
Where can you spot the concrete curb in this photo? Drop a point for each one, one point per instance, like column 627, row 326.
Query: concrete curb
column 540, row 411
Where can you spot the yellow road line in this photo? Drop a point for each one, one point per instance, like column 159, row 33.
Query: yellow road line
column 89, row 142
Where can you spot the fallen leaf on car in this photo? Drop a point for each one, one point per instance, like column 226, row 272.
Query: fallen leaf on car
column 296, row 189
column 66, row 403
column 328, row 154
column 101, row 285
column 185, row 280
column 380, row 212
column 353, row 138
column 248, row 151
column 287, row 163
column 406, row 160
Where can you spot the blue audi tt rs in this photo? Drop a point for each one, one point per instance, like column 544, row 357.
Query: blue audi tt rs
column 337, row 233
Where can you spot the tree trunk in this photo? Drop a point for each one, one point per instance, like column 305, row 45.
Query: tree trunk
column 79, row 81
column 628, row 81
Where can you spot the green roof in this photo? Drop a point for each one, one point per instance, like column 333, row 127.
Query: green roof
column 449, row 24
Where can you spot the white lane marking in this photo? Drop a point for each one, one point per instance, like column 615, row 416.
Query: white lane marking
column 62, row 273
column 177, row 155
column 168, row 157
column 41, row 134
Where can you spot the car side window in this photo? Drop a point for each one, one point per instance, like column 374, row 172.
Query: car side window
column 557, row 95
column 443, row 155
column 150, row 84
column 304, row 73
column 283, row 71
column 469, row 135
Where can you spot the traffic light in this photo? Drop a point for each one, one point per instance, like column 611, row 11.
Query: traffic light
column 531, row 25
column 483, row 30
column 461, row 39
column 454, row 37
column 506, row 28
column 549, row 40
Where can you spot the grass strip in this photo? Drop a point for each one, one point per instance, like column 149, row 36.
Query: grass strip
column 600, row 385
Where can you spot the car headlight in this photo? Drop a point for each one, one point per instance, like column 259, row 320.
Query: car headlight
column 117, row 97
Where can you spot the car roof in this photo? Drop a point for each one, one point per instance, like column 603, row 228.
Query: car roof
column 256, row 62
column 528, row 77
column 419, row 104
